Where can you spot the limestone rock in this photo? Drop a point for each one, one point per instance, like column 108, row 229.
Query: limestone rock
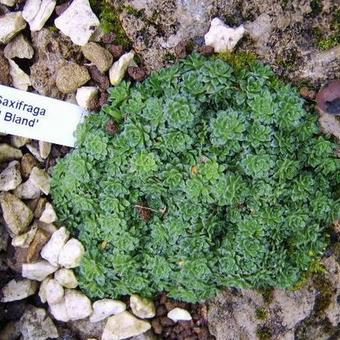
column 10, row 178
column 78, row 22
column 118, row 69
column 42, row 289
column 5, row 77
column 35, row 324
column 8, row 3
column 78, row 305
column 71, row 254
column 18, row 141
column 10, row 24
column 51, row 251
column 71, row 76
column 24, row 240
column 27, row 191
column 87, row 97
column 8, row 153
column 28, row 162
column 105, row 308
column 66, row 278
column 41, row 180
column 54, row 292
column 179, row 314
column 98, row 55
column 143, row 308
column 20, row 79
column 124, row 325
column 44, row 149
column 59, row 311
column 39, row 240
column 35, row 152
column 222, row 37
column 48, row 215
column 16, row 214
column 19, row 47
column 18, row 290
column 37, row 12
column 37, row 271
column 4, row 236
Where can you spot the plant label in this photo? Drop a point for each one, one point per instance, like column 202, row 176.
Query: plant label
column 34, row 116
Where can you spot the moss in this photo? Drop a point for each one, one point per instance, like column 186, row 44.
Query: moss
column 264, row 333
column 169, row 57
column 316, row 268
column 240, row 60
column 261, row 313
column 316, row 6
column 133, row 11
column 324, row 288
column 267, row 295
column 328, row 43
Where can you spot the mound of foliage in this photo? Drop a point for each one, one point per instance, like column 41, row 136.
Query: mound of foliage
column 206, row 175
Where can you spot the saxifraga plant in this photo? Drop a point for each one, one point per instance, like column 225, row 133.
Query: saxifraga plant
column 216, row 176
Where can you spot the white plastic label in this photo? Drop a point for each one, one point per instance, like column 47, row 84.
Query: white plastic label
column 33, row 116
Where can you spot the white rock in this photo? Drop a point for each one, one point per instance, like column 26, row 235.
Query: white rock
column 37, row 12
column 71, row 254
column 124, row 325
column 51, row 250
column 19, row 47
column 48, row 216
column 42, row 289
column 9, row 3
column 27, row 191
column 118, row 69
column 18, row 141
column 105, row 308
column 66, row 278
column 49, row 228
column 7, row 153
column 10, row 24
column 78, row 305
column 18, row 290
column 143, row 308
column 35, row 152
column 20, row 79
column 54, row 292
column 37, row 271
column 179, row 314
column 24, row 240
column 78, row 22
column 44, row 149
column 10, row 178
column 222, row 37
column 86, row 95
column 59, row 311
column 40, row 179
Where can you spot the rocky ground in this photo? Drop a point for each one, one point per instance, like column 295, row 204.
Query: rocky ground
column 59, row 49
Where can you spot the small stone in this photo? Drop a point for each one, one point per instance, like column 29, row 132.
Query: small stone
column 10, row 24
column 101, row 79
column 18, row 141
column 71, row 254
column 18, row 290
column 141, row 307
column 87, row 97
column 118, row 69
column 8, row 153
column 27, row 191
column 24, row 240
column 48, row 216
column 179, row 314
column 222, row 37
column 42, row 289
column 51, row 251
column 78, row 305
column 19, row 47
column 59, row 311
column 112, row 127
column 37, row 12
column 54, row 292
column 40, row 207
column 8, row 3
column 20, row 79
column 5, row 77
column 35, row 152
column 66, row 278
column 44, row 149
column 105, row 308
column 98, row 55
column 181, row 50
column 37, row 271
column 35, row 324
column 39, row 240
column 10, row 178
column 109, row 38
column 124, row 325
column 116, row 50
column 40, row 179
column 137, row 73
column 78, row 22
column 10, row 332
column 4, row 237
column 307, row 93
column 71, row 77
column 206, row 50
column 28, row 162
column 16, row 214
